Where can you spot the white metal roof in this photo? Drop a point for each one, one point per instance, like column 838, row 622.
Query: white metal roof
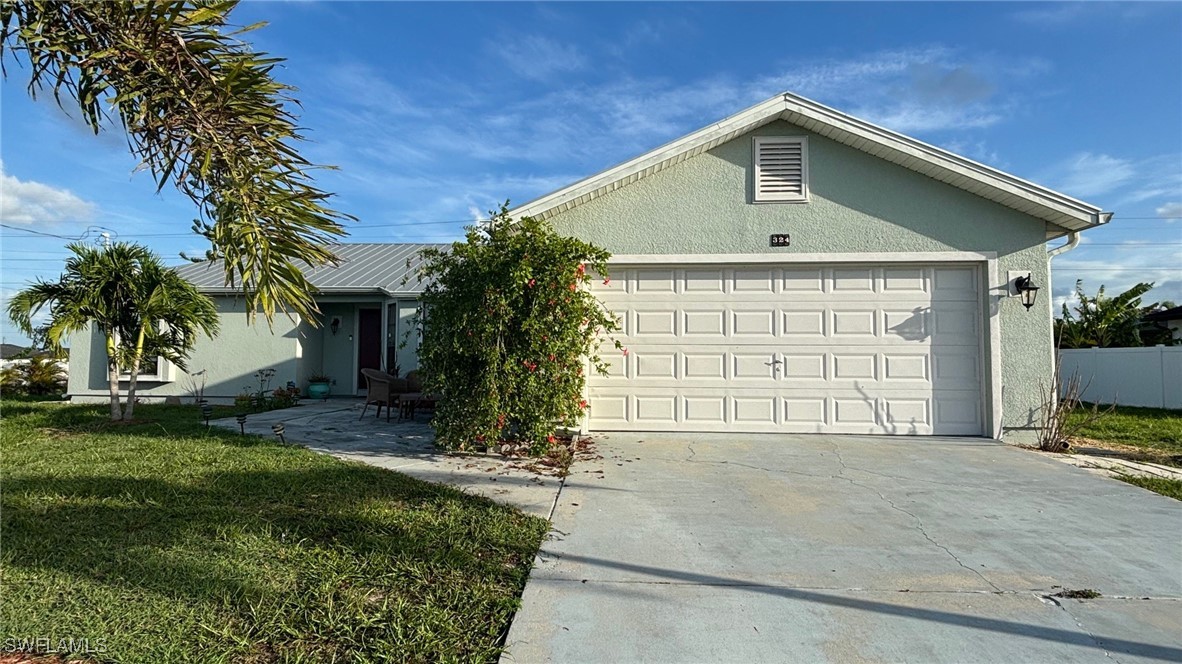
column 364, row 268
column 1037, row 201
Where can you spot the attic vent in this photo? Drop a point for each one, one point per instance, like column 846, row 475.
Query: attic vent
column 781, row 168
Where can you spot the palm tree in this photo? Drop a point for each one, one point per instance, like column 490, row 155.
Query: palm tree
column 141, row 308
column 202, row 111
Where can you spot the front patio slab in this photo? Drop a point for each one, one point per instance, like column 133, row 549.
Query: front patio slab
column 336, row 427
column 739, row 548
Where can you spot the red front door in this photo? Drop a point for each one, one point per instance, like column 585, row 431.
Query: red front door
column 369, row 342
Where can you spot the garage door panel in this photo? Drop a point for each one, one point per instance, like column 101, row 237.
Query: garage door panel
column 853, row 280
column 653, row 281
column 650, row 323
column 709, row 323
column 859, row 325
column 702, row 282
column 802, row 348
column 654, row 364
column 746, row 366
column 704, row 410
column 855, row 366
column 753, row 280
column 905, row 281
column 755, row 409
column 656, row 409
column 803, row 281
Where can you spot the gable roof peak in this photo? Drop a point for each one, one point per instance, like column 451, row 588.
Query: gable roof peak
column 1040, row 202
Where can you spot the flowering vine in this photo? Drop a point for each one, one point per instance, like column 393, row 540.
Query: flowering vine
column 509, row 326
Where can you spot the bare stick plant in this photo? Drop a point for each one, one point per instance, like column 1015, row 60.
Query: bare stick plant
column 1058, row 401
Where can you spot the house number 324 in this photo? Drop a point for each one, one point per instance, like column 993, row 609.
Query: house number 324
column 780, row 240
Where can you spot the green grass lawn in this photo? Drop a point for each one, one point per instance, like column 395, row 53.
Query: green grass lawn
column 1146, row 434
column 165, row 542
column 1171, row 488
column 1153, row 431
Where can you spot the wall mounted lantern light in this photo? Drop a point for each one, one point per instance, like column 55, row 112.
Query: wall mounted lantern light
column 335, row 326
column 1026, row 290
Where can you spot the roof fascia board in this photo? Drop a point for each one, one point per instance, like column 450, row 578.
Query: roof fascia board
column 940, row 157
column 758, row 115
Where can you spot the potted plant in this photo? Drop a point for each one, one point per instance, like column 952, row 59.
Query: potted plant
column 319, row 386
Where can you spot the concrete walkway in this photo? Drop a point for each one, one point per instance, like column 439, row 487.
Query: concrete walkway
column 1112, row 466
column 333, row 427
column 749, row 548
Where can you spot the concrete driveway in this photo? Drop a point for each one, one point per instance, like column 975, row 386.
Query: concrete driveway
column 746, row 548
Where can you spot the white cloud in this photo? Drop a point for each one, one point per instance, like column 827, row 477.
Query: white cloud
column 977, row 150
column 1057, row 15
column 1087, row 175
column 1118, row 269
column 1065, row 14
column 538, row 58
column 25, row 203
column 450, row 140
column 1170, row 211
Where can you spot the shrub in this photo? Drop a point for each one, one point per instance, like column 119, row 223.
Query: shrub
column 508, row 331
column 35, row 375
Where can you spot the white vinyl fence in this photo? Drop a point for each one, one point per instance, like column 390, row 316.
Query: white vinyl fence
column 1126, row 376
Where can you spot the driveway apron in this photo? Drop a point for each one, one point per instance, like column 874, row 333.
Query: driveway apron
column 740, row 548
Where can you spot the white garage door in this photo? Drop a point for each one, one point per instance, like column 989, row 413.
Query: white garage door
column 892, row 349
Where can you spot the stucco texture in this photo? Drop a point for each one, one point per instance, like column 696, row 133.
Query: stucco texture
column 230, row 360
column 858, row 203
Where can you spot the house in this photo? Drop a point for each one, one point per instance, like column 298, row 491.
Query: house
column 795, row 269
column 366, row 312
column 787, row 269
column 1169, row 319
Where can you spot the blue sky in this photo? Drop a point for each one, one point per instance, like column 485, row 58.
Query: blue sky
column 436, row 112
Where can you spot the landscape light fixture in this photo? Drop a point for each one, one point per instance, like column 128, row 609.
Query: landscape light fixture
column 206, row 413
column 1026, row 290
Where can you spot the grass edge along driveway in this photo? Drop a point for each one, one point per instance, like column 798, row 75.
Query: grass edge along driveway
column 1147, row 434
column 164, row 541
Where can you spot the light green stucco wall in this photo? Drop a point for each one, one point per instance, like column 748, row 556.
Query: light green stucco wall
column 295, row 349
column 311, row 352
column 230, row 360
column 858, row 203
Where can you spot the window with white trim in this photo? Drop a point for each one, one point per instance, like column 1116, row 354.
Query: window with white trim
column 781, row 169
column 155, row 369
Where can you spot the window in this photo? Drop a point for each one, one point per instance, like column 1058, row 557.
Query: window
column 781, row 169
column 151, row 369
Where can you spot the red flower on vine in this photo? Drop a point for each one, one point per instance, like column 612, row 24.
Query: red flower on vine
column 583, row 404
column 582, row 268
column 551, row 357
column 607, row 281
column 573, row 287
column 625, row 351
column 551, row 438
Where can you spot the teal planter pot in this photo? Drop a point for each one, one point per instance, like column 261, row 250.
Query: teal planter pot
column 318, row 390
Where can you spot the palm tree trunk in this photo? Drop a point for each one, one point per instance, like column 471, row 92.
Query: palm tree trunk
column 129, row 411
column 113, row 378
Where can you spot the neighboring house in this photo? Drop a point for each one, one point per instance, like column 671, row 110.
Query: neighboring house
column 366, row 311
column 787, row 269
column 1170, row 319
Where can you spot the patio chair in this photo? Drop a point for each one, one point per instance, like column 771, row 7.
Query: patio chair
column 377, row 384
column 414, row 400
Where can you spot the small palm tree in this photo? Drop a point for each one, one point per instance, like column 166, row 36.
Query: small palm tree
column 141, row 308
